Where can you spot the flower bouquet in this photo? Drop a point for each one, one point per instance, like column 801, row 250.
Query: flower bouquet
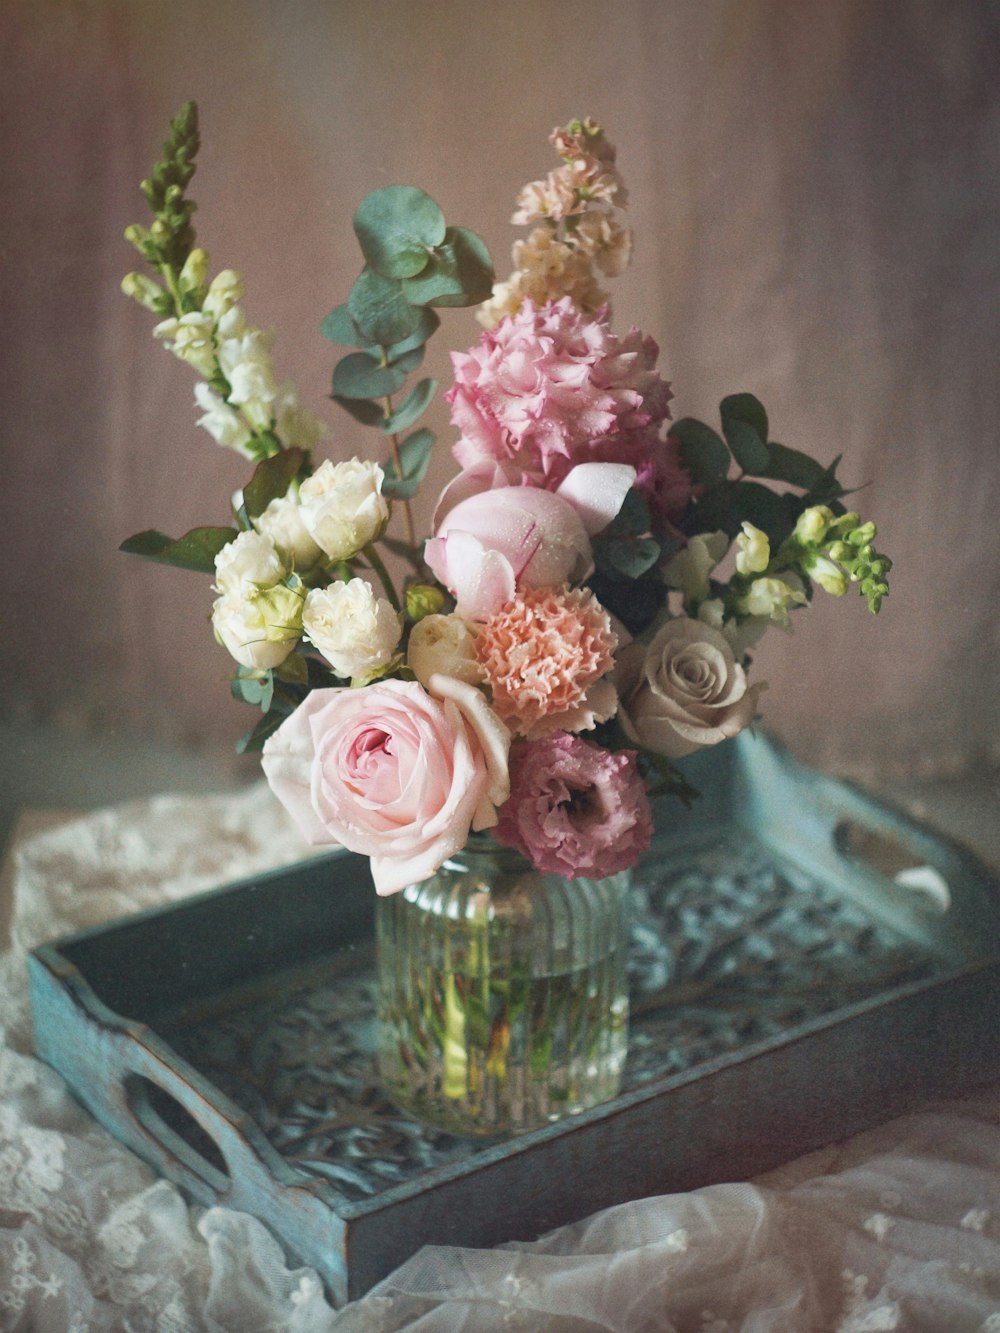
column 486, row 713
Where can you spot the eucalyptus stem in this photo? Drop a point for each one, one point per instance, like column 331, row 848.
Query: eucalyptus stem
column 411, row 533
column 375, row 560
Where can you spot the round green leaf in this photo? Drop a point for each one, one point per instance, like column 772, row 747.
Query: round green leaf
column 703, row 452
column 459, row 273
column 340, row 328
column 361, row 375
column 380, row 310
column 397, row 228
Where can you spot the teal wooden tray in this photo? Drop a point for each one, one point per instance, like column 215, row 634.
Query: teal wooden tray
column 805, row 962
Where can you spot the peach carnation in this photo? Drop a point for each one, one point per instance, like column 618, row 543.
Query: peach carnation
column 546, row 654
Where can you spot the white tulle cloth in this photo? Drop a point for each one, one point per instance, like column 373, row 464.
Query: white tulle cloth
column 897, row 1229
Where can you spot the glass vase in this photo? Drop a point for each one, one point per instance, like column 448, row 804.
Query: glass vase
column 503, row 996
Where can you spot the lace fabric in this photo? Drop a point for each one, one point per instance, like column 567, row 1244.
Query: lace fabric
column 898, row 1229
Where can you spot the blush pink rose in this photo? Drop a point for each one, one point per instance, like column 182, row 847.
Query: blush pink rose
column 391, row 771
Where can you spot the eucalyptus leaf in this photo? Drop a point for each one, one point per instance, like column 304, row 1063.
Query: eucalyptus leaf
column 633, row 518
column 196, row 550
column 254, row 739
column 361, row 375
column 271, row 480
column 410, row 408
column 747, row 447
column 341, row 329
column 379, row 308
column 397, row 227
column 459, row 273
column 253, row 687
column 630, row 556
column 361, row 409
column 703, row 452
column 415, row 453
column 793, row 467
column 746, row 408
column 429, row 324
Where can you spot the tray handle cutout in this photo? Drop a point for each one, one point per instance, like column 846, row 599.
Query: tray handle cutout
column 176, row 1131
column 887, row 855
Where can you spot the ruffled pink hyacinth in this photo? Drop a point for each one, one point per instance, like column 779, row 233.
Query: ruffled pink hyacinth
column 543, row 387
column 575, row 808
column 545, row 655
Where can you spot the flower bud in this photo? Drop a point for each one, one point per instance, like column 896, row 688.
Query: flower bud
column 862, row 535
column 753, row 553
column 195, row 271
column 813, row 524
column 423, row 599
column 446, row 646
column 224, row 291
column 250, row 560
column 773, row 597
column 830, row 577
column 148, row 293
column 282, row 522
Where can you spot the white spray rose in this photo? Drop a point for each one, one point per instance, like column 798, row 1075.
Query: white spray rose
column 343, row 507
column 684, row 690
column 223, row 423
column 753, row 550
column 259, row 626
column 282, row 522
column 445, row 646
column 689, row 569
column 250, row 562
column 355, row 631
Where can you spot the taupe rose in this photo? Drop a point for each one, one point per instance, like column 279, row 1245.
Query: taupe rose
column 684, row 690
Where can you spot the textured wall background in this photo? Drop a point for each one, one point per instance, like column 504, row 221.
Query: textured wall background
column 814, row 192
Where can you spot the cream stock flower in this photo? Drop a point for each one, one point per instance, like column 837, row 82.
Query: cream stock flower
column 355, row 631
column 343, row 507
column 446, row 646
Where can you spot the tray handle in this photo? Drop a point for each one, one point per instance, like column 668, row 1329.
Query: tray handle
column 196, row 1159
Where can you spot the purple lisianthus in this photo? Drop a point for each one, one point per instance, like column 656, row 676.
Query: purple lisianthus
column 575, row 809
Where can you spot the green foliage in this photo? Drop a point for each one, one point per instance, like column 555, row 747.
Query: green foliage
column 196, row 550
column 362, row 375
column 412, row 406
column 415, row 454
column 170, row 239
column 398, row 228
column 459, row 273
column 627, row 547
column 253, row 687
column 380, row 310
column 744, row 424
column 341, row 329
column 271, row 480
column 703, row 452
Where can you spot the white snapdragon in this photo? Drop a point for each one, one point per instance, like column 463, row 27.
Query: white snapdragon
column 282, row 522
column 250, row 560
column 689, row 569
column 355, row 631
column 829, row 575
column 191, row 339
column 813, row 524
column 443, row 645
column 753, row 550
column 224, row 292
column 295, row 424
column 741, row 635
column 223, row 423
column 773, row 597
column 343, row 507
column 245, row 360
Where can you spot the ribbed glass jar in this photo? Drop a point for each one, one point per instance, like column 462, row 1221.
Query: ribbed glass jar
column 503, row 997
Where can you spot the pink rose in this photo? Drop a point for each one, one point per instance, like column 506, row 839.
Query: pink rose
column 575, row 808
column 391, row 771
